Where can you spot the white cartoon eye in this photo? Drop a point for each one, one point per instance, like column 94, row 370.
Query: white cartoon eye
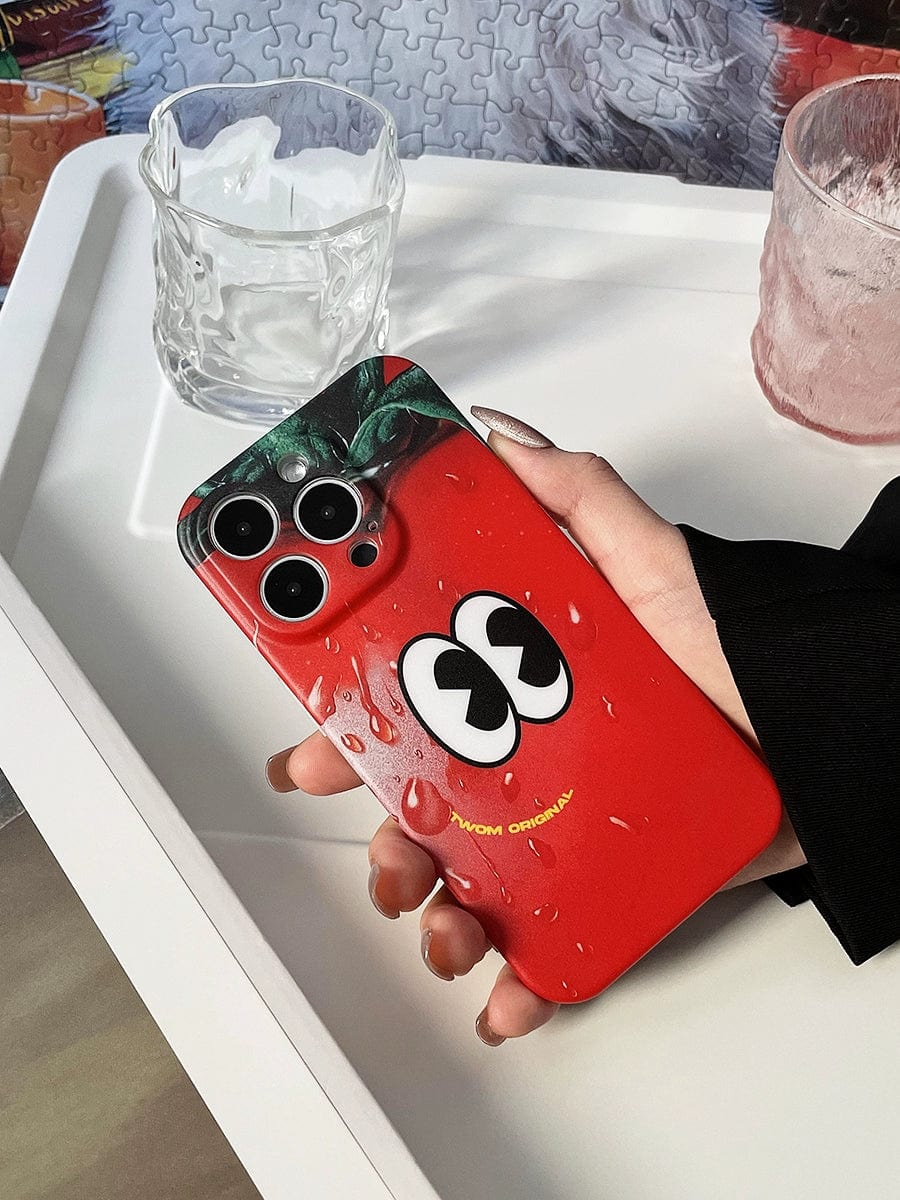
column 514, row 643
column 459, row 700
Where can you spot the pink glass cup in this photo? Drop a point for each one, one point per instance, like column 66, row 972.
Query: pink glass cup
column 826, row 347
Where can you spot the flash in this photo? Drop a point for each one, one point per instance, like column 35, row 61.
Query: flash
column 292, row 468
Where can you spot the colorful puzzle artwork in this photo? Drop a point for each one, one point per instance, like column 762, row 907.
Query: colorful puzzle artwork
column 693, row 88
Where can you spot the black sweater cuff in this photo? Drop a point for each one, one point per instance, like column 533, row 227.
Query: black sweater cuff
column 812, row 636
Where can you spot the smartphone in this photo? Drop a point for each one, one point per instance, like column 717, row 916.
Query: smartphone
column 574, row 788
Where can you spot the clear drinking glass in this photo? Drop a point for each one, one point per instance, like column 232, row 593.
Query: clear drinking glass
column 827, row 345
column 276, row 210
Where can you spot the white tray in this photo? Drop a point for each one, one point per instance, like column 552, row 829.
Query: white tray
column 614, row 312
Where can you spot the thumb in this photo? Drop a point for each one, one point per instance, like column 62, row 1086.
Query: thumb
column 641, row 555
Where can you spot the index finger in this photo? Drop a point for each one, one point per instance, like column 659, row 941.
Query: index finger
column 315, row 766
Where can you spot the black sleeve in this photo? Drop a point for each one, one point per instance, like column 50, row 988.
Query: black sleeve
column 812, row 636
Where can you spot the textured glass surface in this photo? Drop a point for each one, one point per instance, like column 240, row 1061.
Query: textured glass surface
column 827, row 344
column 276, row 212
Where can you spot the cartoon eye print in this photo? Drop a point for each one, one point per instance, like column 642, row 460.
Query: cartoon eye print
column 520, row 651
column 458, row 698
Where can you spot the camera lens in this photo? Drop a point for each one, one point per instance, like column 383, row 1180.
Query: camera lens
column 243, row 526
column 328, row 510
column 294, row 588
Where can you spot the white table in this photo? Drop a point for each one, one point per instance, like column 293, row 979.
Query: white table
column 745, row 1057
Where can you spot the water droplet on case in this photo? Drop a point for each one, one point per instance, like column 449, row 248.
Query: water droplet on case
column 317, row 701
column 632, row 824
column 609, row 707
column 573, row 995
column 372, row 634
column 653, row 679
column 584, row 631
column 547, row 912
column 585, row 948
column 447, row 589
column 378, row 722
column 332, row 645
column 382, row 727
column 424, row 808
column 398, row 608
column 461, row 483
column 543, row 851
column 467, row 889
column 510, row 787
column 352, row 742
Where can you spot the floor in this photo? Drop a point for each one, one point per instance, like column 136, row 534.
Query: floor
column 93, row 1104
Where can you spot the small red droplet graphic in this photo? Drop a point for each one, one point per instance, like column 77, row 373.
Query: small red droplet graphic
column 584, row 631
column 352, row 742
column 347, row 696
column 395, row 704
column 543, row 851
column 424, row 809
column 546, row 912
column 510, row 787
column 419, row 754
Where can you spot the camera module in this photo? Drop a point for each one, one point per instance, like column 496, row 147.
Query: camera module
column 328, row 510
column 243, row 526
column 294, row 588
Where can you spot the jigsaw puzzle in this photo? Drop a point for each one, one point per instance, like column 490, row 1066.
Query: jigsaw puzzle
column 694, row 88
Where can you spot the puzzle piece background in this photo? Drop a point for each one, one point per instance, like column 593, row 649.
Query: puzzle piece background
column 695, row 88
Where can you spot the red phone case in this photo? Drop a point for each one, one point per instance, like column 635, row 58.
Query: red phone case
column 576, row 791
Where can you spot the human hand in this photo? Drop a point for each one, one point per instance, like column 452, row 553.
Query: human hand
column 646, row 561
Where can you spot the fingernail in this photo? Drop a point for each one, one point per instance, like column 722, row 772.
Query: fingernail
column 373, row 895
column 510, row 427
column 484, row 1031
column 277, row 773
column 426, row 958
